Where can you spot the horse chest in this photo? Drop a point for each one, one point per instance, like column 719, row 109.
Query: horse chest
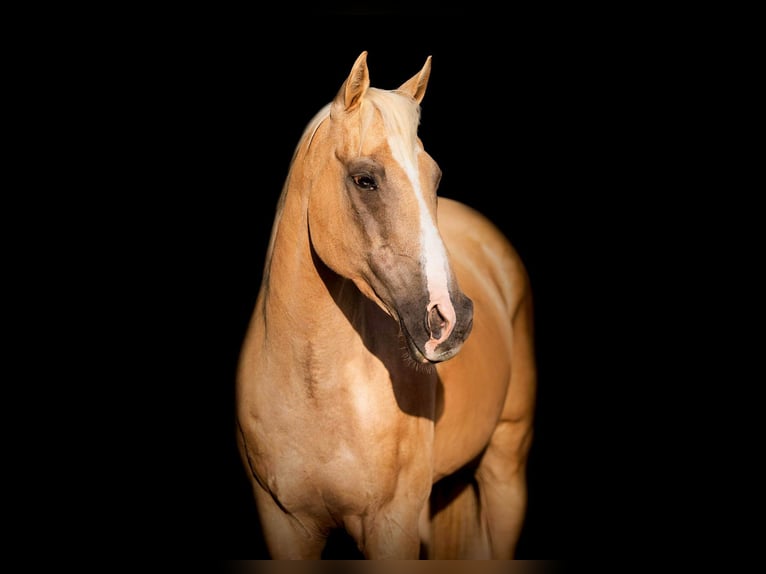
column 344, row 455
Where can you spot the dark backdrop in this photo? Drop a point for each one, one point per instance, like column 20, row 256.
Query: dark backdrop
column 525, row 114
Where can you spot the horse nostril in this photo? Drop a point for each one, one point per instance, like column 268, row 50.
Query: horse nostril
column 436, row 322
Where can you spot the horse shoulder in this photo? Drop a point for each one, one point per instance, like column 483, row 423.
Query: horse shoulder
column 491, row 271
column 484, row 258
column 477, row 380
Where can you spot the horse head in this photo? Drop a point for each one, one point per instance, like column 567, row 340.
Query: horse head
column 372, row 211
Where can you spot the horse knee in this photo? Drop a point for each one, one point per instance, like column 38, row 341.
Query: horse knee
column 508, row 449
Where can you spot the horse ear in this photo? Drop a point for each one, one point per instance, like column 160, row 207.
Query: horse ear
column 355, row 86
column 416, row 85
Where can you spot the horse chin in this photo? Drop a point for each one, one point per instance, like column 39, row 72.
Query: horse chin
column 422, row 357
column 415, row 354
column 440, row 356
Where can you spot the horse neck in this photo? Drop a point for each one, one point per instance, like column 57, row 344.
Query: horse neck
column 298, row 289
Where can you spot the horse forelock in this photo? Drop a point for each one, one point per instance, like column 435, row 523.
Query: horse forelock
column 401, row 117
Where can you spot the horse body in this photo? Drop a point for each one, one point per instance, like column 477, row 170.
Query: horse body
column 359, row 388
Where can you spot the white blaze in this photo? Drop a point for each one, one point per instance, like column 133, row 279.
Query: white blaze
column 433, row 252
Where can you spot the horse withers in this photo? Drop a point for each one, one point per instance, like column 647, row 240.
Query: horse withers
column 386, row 383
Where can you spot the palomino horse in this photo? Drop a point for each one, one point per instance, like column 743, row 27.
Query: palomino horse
column 386, row 383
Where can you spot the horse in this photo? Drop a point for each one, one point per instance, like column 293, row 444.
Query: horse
column 386, row 381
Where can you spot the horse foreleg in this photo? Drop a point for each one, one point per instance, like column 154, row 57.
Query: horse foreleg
column 392, row 534
column 501, row 477
column 287, row 537
column 501, row 474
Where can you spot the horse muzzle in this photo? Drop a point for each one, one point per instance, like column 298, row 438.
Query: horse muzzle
column 442, row 332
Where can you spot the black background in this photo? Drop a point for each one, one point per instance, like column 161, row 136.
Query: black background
column 534, row 119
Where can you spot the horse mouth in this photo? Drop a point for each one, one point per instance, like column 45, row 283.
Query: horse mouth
column 423, row 357
column 415, row 353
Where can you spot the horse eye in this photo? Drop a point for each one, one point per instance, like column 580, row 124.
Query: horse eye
column 365, row 182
